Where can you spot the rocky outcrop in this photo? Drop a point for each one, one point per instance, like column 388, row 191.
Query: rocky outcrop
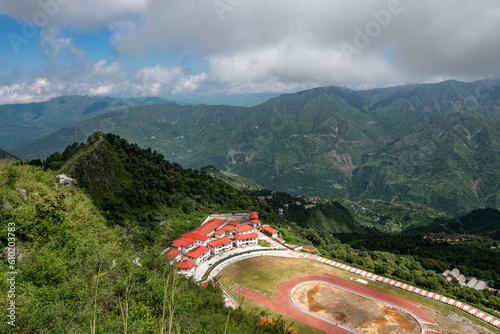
column 66, row 180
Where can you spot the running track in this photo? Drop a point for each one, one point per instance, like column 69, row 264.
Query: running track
column 284, row 305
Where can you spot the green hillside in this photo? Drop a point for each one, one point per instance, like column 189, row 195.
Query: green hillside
column 391, row 217
column 132, row 186
column 22, row 124
column 74, row 273
column 427, row 144
column 4, row 155
column 231, row 179
column 484, row 222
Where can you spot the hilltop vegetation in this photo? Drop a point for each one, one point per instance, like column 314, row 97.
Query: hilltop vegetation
column 137, row 188
column 4, row 155
column 231, row 179
column 427, row 144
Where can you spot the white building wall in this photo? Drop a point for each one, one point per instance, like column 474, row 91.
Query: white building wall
column 247, row 242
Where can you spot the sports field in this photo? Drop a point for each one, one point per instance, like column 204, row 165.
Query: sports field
column 265, row 275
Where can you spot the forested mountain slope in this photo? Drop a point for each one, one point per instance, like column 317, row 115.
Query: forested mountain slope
column 434, row 144
column 137, row 188
column 22, row 124
column 4, row 155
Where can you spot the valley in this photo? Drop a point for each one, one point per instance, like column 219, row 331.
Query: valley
column 147, row 201
column 404, row 143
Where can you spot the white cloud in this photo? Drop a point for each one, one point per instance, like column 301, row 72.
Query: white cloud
column 252, row 46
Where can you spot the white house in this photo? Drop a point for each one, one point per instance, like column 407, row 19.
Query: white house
column 185, row 245
column 220, row 245
column 270, row 231
column 199, row 255
column 248, row 239
column 186, row 267
column 201, row 240
column 243, row 229
column 172, row 255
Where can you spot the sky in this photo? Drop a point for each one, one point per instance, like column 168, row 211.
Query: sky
column 204, row 49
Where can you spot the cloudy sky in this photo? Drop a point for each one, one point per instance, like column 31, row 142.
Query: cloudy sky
column 187, row 49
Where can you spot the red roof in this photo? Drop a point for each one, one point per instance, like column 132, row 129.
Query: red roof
column 243, row 228
column 172, row 253
column 269, row 229
column 255, row 221
column 186, row 264
column 254, row 214
column 183, row 242
column 219, row 221
column 196, row 236
column 219, row 242
column 197, row 252
column 234, row 223
column 246, row 236
column 227, row 228
column 206, row 228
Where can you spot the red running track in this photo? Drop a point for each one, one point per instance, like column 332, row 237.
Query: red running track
column 384, row 297
column 284, row 305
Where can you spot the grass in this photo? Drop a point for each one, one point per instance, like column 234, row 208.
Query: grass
column 299, row 327
column 266, row 274
column 263, row 243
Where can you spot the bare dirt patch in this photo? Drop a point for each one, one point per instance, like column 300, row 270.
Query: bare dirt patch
column 362, row 313
column 453, row 323
column 310, row 249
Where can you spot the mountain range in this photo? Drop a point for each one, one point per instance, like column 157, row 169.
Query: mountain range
column 21, row 124
column 435, row 144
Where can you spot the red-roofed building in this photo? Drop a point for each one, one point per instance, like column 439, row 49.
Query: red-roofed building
column 254, row 215
column 219, row 221
column 220, row 245
column 270, row 231
column 226, row 230
column 207, row 228
column 245, row 228
column 172, row 255
column 234, row 223
column 183, row 244
column 201, row 240
column 186, row 267
column 255, row 222
column 219, row 234
column 248, row 239
column 199, row 255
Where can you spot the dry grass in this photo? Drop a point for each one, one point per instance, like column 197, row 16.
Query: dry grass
column 266, row 274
